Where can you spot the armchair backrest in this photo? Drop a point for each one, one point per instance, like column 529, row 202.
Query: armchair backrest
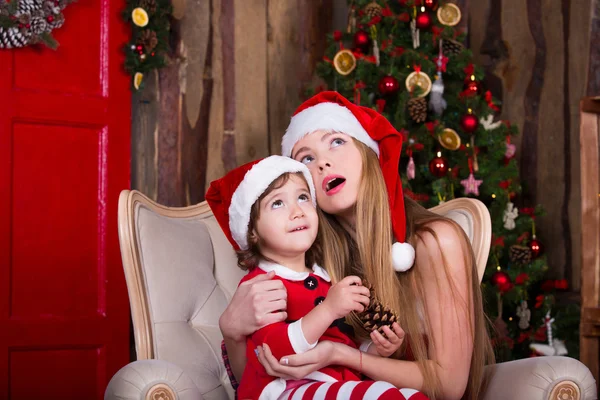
column 181, row 272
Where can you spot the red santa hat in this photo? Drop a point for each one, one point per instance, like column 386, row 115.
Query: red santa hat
column 232, row 196
column 332, row 112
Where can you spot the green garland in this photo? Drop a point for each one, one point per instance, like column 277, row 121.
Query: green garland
column 27, row 22
column 147, row 49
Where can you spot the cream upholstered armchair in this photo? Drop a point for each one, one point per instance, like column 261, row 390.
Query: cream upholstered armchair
column 181, row 271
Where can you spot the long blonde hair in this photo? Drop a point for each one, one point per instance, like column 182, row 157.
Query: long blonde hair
column 364, row 254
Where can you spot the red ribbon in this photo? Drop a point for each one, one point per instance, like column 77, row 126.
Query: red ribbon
column 357, row 86
column 469, row 69
column 470, row 165
column 490, row 102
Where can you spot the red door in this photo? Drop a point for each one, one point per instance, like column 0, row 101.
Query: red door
column 64, row 158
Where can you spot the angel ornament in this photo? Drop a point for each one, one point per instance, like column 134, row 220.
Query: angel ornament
column 524, row 315
column 510, row 214
column 554, row 347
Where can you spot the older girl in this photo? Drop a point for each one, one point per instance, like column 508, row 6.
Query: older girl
column 353, row 153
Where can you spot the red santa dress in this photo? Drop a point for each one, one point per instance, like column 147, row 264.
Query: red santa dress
column 305, row 291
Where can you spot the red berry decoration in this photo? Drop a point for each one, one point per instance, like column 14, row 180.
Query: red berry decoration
column 472, row 87
column 537, row 248
column 430, row 4
column 438, row 166
column 50, row 19
column 423, row 20
column 469, row 123
column 388, row 85
column 361, row 41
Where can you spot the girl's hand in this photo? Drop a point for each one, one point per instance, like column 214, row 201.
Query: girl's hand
column 296, row 366
column 387, row 346
column 256, row 303
column 346, row 296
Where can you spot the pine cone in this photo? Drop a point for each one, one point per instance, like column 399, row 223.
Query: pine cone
column 28, row 6
column 376, row 316
column 520, row 254
column 148, row 39
column 417, row 108
column 12, row 37
column 451, row 47
column 38, row 26
column 148, row 5
column 373, row 9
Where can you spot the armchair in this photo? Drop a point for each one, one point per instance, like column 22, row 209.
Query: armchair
column 181, row 271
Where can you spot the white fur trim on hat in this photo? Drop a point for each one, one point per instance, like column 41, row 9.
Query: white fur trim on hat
column 328, row 117
column 254, row 184
column 403, row 256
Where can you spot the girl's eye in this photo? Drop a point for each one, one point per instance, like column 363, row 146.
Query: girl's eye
column 277, row 204
column 303, row 198
column 306, row 159
column 337, row 142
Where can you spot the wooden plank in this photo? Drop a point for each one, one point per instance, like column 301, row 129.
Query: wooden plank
column 296, row 42
column 251, row 119
column 228, row 43
column 590, row 232
column 547, row 128
column 144, row 128
column 590, row 330
column 168, row 143
column 214, row 166
column 590, row 315
column 515, row 70
column 197, row 85
column 593, row 86
column 577, row 62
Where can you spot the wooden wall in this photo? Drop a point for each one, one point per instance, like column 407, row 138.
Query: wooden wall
column 240, row 67
column 238, row 70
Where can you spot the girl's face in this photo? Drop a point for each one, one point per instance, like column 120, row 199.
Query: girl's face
column 288, row 222
column 335, row 164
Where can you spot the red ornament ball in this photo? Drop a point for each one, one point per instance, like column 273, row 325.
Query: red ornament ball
column 537, row 248
column 438, row 166
column 388, row 85
column 500, row 278
column 361, row 41
column 469, row 123
column 430, row 4
column 423, row 20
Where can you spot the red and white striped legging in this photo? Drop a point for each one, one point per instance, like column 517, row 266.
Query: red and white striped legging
column 353, row 390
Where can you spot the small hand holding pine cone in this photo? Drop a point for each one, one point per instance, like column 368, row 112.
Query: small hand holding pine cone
column 376, row 315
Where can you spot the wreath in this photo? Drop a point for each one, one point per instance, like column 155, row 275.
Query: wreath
column 27, row 22
column 147, row 49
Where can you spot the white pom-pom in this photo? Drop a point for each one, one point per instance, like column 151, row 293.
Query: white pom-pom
column 403, row 256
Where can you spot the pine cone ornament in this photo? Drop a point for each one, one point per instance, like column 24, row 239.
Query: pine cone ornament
column 417, row 109
column 451, row 47
column 377, row 315
column 28, row 6
column 148, row 5
column 39, row 26
column 373, row 9
column 12, row 37
column 148, row 40
column 520, row 254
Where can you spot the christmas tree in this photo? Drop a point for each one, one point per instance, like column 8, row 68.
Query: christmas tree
column 407, row 60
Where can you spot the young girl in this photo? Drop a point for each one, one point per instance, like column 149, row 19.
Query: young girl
column 353, row 154
column 267, row 210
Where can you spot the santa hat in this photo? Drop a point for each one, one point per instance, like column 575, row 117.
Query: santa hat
column 231, row 197
column 330, row 111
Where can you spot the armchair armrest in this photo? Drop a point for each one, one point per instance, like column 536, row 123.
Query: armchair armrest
column 151, row 379
column 548, row 378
